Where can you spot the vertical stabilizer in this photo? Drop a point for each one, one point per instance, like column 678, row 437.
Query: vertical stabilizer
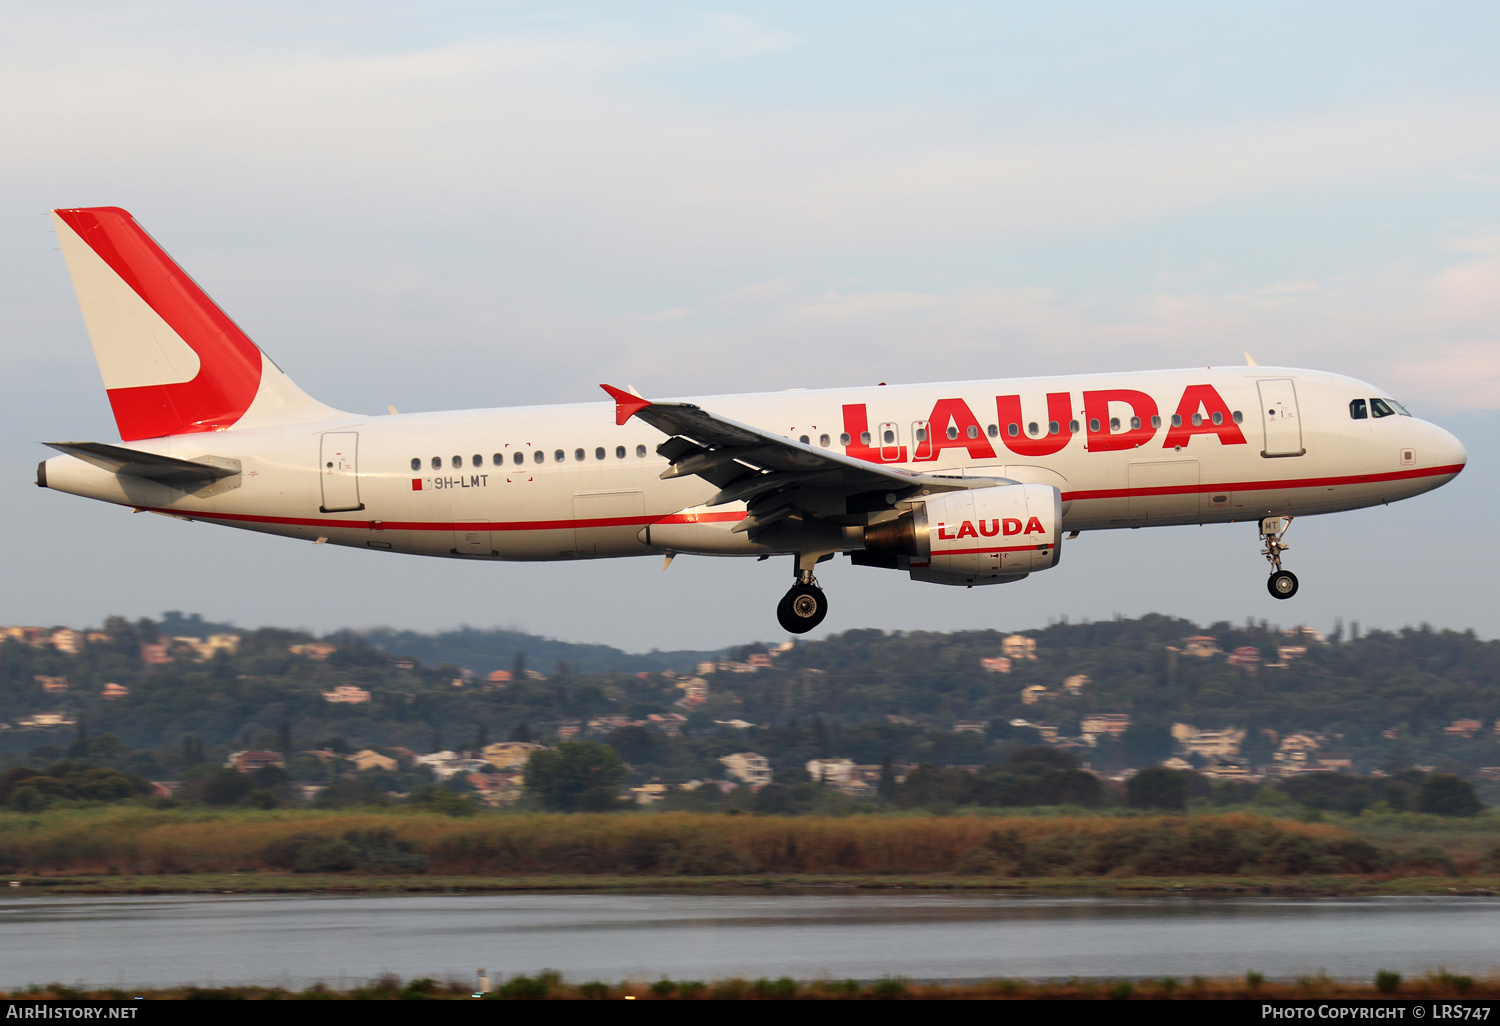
column 172, row 361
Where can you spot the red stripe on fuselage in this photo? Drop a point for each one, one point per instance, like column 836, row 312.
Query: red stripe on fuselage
column 732, row 516
column 1252, row 486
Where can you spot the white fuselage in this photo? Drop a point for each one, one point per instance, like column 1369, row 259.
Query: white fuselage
column 565, row 482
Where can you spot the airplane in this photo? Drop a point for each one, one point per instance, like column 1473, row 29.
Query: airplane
column 959, row 483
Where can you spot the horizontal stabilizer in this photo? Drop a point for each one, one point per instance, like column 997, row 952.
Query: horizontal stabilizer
column 134, row 463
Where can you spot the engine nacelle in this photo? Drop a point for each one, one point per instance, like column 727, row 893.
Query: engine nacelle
column 977, row 536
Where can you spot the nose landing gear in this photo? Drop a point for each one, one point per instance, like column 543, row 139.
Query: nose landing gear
column 803, row 607
column 1282, row 583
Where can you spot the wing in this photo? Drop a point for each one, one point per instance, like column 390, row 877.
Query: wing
column 775, row 476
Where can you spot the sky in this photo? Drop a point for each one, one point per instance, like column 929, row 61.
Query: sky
column 463, row 205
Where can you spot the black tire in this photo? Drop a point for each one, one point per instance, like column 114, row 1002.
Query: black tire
column 1282, row 585
column 801, row 609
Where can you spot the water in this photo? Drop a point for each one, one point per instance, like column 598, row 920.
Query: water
column 344, row 940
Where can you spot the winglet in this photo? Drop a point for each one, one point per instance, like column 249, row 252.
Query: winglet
column 626, row 404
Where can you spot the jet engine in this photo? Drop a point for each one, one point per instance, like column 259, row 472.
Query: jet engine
column 977, row 536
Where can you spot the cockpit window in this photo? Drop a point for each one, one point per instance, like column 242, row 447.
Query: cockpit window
column 1357, row 410
column 1401, row 410
column 1379, row 408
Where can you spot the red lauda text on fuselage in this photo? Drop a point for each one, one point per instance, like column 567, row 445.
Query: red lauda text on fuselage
column 953, row 425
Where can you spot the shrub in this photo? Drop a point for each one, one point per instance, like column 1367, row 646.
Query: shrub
column 374, row 851
column 1387, row 982
column 1444, row 794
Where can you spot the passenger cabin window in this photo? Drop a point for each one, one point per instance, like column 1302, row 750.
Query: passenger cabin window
column 1239, row 418
column 973, row 431
column 458, row 463
column 1013, row 430
column 844, row 438
column 477, row 460
column 1073, row 426
column 889, row 438
column 864, row 437
column 803, row 439
column 519, row 458
column 1155, row 422
column 559, row 456
column 578, row 454
column 416, row 463
column 540, row 457
column 499, row 458
column 640, row 452
column 1177, row 420
column 823, row 441
column 1379, row 408
column 1033, row 430
column 952, row 432
column 1053, row 427
column 619, row 452
column 599, row 453
column 437, row 463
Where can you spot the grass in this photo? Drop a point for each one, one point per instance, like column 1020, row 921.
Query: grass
column 144, row 847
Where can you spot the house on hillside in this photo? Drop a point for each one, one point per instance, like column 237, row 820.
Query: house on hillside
column 1019, row 646
column 346, row 693
column 112, row 691
column 1200, row 645
column 510, row 755
column 368, row 760
column 249, row 762
column 66, row 639
column 748, row 767
column 1104, row 723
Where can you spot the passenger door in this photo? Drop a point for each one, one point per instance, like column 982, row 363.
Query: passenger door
column 1278, row 411
column 340, row 472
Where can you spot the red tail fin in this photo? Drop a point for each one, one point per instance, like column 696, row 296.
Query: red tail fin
column 172, row 361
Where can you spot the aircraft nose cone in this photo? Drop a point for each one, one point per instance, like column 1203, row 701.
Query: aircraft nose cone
column 1447, row 450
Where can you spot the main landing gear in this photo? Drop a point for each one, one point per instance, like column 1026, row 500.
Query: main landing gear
column 1283, row 583
column 802, row 608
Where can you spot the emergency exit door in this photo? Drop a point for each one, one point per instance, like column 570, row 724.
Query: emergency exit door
column 340, row 472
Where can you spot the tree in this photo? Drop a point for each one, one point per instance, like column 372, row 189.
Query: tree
column 559, row 777
column 1444, row 794
column 522, row 733
column 636, row 745
column 1157, row 787
column 886, row 789
column 1145, row 743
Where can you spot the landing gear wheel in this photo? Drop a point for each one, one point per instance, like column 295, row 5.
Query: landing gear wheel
column 1282, row 585
column 802, row 609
